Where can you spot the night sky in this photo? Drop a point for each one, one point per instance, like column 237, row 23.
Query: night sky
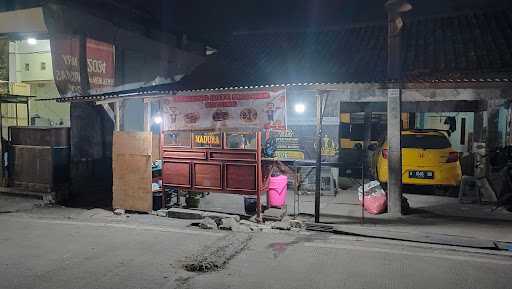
column 214, row 20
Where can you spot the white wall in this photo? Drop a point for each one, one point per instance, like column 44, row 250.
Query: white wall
column 51, row 113
column 34, row 56
column 435, row 120
column 42, row 85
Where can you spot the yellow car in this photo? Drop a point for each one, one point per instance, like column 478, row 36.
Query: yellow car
column 428, row 159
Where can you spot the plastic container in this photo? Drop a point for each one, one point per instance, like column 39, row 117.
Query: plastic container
column 277, row 191
column 250, row 205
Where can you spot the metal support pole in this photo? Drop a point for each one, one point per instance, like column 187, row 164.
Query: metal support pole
column 16, row 113
column 394, row 8
column 394, row 153
column 2, row 126
column 28, row 113
column 364, row 157
column 478, row 128
column 492, row 140
column 319, row 156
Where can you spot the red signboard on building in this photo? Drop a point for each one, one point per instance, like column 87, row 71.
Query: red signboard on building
column 100, row 64
column 66, row 64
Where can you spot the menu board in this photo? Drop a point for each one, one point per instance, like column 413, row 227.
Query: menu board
column 300, row 142
column 288, row 145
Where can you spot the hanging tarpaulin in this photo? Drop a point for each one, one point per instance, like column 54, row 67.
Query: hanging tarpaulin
column 66, row 64
column 4, row 65
column 253, row 109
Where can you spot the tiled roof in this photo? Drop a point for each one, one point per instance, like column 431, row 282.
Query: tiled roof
column 465, row 47
column 469, row 47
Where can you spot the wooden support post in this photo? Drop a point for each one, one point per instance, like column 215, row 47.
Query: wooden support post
column 109, row 111
column 117, row 114
column 147, row 115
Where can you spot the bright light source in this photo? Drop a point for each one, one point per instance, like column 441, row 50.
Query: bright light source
column 31, row 41
column 157, row 119
column 300, row 108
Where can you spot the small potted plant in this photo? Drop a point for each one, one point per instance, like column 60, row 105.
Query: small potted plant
column 192, row 199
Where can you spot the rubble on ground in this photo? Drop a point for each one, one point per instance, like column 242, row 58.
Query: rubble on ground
column 218, row 254
column 285, row 226
column 278, row 220
column 246, row 226
column 119, row 212
column 274, row 214
column 162, row 213
column 208, row 224
column 228, row 224
column 297, row 224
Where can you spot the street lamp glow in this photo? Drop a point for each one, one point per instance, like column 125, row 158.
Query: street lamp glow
column 157, row 119
column 300, row 108
column 31, row 41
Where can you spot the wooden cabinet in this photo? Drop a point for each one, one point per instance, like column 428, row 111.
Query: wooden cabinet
column 214, row 167
column 176, row 173
column 207, row 175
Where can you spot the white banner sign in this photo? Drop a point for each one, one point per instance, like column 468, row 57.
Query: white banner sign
column 254, row 109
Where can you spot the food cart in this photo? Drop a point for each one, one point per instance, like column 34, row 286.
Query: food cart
column 213, row 142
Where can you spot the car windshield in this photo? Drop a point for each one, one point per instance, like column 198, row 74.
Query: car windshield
column 425, row 141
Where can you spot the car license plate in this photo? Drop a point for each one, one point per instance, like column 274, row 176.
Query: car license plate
column 421, row 174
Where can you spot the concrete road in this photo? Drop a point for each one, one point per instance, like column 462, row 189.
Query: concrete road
column 52, row 251
column 326, row 261
column 77, row 254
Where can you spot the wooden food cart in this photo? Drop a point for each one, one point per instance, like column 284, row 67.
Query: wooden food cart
column 211, row 141
column 213, row 161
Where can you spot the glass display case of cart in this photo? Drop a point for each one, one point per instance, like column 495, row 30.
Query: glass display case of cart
column 241, row 140
column 177, row 138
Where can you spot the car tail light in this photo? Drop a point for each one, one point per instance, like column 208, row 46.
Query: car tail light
column 452, row 157
column 385, row 153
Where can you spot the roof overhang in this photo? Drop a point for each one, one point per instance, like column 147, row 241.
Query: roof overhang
column 23, row 21
column 162, row 90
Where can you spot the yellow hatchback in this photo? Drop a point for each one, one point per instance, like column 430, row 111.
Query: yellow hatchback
column 428, row 159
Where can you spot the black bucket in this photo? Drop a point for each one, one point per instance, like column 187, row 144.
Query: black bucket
column 157, row 201
column 250, row 205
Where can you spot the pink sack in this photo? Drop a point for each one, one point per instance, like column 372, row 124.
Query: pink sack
column 375, row 198
column 277, row 191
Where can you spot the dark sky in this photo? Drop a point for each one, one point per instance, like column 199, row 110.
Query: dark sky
column 214, row 20
column 209, row 18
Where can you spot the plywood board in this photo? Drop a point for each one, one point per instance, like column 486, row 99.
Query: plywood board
column 131, row 168
column 135, row 143
column 155, row 147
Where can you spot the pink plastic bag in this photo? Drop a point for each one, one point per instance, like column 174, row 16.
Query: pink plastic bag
column 375, row 198
column 277, row 191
